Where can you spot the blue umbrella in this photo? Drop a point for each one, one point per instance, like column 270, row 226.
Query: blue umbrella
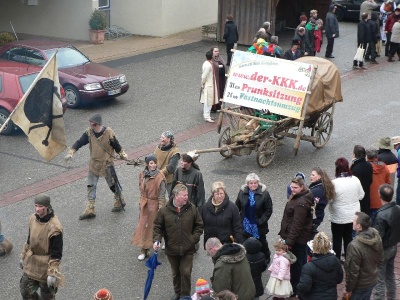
column 152, row 264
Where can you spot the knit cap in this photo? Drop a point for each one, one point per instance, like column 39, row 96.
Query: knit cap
column 103, row 294
column 43, row 199
column 202, row 286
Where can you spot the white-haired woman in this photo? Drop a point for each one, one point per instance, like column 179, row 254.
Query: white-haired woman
column 221, row 217
column 255, row 207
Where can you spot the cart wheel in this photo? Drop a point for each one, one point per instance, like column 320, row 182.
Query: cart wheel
column 322, row 129
column 266, row 152
column 225, row 140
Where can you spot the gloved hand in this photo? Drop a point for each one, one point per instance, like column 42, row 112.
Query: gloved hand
column 69, row 155
column 123, row 155
column 51, row 281
column 21, row 264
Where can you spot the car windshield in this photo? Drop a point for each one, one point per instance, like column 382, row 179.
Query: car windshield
column 68, row 57
column 26, row 81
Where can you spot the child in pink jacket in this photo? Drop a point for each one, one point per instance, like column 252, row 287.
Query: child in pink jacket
column 279, row 282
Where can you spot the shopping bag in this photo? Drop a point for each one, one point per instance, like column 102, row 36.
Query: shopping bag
column 379, row 47
column 360, row 53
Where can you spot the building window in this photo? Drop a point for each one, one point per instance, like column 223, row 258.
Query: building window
column 104, row 3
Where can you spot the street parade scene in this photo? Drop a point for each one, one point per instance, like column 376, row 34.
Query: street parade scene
column 211, row 169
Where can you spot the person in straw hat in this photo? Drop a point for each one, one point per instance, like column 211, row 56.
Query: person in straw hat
column 386, row 155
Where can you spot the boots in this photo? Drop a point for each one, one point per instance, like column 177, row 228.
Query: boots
column 390, row 59
column 117, row 205
column 89, row 211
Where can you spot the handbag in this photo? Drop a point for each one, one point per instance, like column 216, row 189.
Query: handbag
column 360, row 54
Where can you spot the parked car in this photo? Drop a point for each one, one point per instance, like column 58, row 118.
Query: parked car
column 15, row 80
column 82, row 79
column 350, row 9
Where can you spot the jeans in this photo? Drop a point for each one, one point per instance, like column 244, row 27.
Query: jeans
column 92, row 184
column 398, row 192
column 341, row 232
column 329, row 47
column 181, row 273
column 299, row 250
column 386, row 276
column 362, row 294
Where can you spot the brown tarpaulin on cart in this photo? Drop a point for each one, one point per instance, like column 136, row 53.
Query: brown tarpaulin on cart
column 326, row 87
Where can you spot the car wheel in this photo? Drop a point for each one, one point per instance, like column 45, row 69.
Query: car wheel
column 10, row 125
column 72, row 96
column 339, row 14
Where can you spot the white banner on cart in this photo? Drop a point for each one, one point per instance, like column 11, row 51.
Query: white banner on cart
column 267, row 83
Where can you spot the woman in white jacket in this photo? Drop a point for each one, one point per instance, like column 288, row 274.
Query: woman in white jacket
column 348, row 192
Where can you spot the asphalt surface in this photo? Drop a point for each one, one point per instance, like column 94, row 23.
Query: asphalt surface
column 163, row 95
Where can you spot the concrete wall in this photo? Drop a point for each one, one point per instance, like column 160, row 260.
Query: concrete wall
column 53, row 18
column 68, row 19
column 163, row 17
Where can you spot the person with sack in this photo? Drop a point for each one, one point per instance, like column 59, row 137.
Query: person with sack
column 363, row 39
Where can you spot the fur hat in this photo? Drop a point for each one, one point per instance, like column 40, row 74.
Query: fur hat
column 395, row 140
column 150, row 157
column 103, row 294
column 96, row 119
column 385, row 143
column 43, row 199
column 202, row 286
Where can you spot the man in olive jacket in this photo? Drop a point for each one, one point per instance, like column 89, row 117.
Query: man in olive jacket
column 180, row 223
column 231, row 269
column 363, row 256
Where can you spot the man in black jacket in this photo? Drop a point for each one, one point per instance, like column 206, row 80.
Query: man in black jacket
column 231, row 36
column 363, row 171
column 363, row 38
column 388, row 225
column 375, row 37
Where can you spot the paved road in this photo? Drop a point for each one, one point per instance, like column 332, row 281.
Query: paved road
column 164, row 95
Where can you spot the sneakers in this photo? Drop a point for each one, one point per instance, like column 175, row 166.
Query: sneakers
column 141, row 257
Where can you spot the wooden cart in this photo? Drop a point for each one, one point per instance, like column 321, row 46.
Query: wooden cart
column 248, row 130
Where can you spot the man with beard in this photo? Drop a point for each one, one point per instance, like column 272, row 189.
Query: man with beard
column 189, row 175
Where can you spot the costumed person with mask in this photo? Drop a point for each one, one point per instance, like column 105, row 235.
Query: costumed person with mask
column 102, row 145
column 152, row 188
column 42, row 253
column 5, row 245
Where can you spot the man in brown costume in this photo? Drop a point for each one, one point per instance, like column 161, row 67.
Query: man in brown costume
column 102, row 144
column 167, row 154
column 42, row 253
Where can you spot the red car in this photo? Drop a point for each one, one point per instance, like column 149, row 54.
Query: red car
column 15, row 79
column 83, row 80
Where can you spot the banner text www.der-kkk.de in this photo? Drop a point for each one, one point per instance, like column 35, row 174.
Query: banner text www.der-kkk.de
column 267, row 83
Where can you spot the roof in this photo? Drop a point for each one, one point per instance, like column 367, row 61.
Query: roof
column 42, row 44
column 17, row 68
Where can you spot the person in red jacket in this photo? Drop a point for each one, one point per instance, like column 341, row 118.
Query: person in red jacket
column 393, row 18
column 380, row 176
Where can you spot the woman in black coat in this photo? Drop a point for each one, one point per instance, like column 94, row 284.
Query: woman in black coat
column 320, row 277
column 257, row 261
column 231, row 36
column 255, row 207
column 221, row 217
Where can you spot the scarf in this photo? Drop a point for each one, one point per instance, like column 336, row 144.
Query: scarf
column 249, row 220
column 149, row 173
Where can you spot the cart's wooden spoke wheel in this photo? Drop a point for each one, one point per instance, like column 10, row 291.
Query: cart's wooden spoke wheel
column 322, row 130
column 266, row 152
column 224, row 141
